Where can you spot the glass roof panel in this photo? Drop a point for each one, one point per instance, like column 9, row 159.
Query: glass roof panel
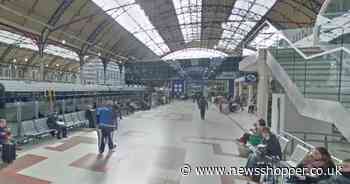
column 268, row 36
column 16, row 39
column 191, row 53
column 241, row 22
column 59, row 51
column 133, row 18
column 247, row 52
column 25, row 42
column 189, row 14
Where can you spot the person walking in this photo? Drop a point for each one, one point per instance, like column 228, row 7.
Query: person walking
column 203, row 106
column 117, row 116
column 106, row 125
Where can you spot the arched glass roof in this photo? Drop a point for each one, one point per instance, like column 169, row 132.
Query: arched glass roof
column 248, row 14
column 27, row 43
column 133, row 18
column 191, row 53
column 201, row 22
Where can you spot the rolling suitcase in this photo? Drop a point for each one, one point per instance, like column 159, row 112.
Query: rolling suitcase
column 8, row 153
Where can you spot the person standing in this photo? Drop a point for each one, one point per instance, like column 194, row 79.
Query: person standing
column 8, row 148
column 117, row 116
column 106, row 125
column 5, row 133
column 203, row 106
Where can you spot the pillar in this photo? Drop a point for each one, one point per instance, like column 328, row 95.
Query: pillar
column 81, row 69
column 263, row 85
column 105, row 63
column 42, row 69
column 250, row 92
column 235, row 89
column 41, row 46
column 240, row 88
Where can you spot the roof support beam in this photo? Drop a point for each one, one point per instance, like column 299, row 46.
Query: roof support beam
column 6, row 52
column 93, row 36
column 88, row 17
column 20, row 14
column 52, row 22
column 32, row 58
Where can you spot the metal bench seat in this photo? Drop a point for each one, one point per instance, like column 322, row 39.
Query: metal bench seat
column 297, row 157
column 284, row 142
column 68, row 120
column 29, row 130
column 41, row 126
column 76, row 120
column 82, row 117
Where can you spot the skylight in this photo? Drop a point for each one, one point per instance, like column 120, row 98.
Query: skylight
column 245, row 15
column 248, row 52
column 191, row 53
column 131, row 16
column 16, row 39
column 268, row 36
column 27, row 43
column 59, row 51
column 189, row 13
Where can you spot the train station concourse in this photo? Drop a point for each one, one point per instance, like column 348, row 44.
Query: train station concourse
column 174, row 91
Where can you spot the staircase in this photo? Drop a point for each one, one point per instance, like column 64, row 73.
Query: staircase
column 319, row 87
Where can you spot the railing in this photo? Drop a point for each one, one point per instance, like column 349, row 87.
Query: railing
column 325, row 136
column 296, row 140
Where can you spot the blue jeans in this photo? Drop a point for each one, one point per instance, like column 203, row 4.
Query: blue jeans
column 106, row 136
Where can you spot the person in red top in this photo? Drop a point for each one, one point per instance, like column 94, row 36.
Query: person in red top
column 5, row 133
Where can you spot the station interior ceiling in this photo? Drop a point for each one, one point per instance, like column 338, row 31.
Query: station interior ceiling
column 64, row 33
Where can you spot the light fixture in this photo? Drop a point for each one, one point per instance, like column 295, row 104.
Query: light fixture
column 26, row 59
column 14, row 60
column 57, row 65
column 63, row 41
column 47, row 65
column 99, row 54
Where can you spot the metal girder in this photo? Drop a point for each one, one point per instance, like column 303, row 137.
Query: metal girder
column 90, row 16
column 55, row 17
column 243, row 18
column 65, row 26
column 54, row 59
column 93, row 36
column 166, row 27
column 32, row 58
column 297, row 8
column 44, row 24
column 59, row 12
column 7, row 51
column 312, row 3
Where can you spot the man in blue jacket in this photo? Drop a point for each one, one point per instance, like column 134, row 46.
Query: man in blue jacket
column 106, row 125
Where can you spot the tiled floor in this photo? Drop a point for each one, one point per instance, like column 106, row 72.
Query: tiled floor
column 152, row 147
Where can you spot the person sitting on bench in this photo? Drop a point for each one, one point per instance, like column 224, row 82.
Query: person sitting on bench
column 344, row 178
column 317, row 158
column 256, row 130
column 271, row 148
column 53, row 122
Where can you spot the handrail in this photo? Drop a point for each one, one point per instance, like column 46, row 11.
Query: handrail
column 323, row 110
column 308, row 145
column 316, row 133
